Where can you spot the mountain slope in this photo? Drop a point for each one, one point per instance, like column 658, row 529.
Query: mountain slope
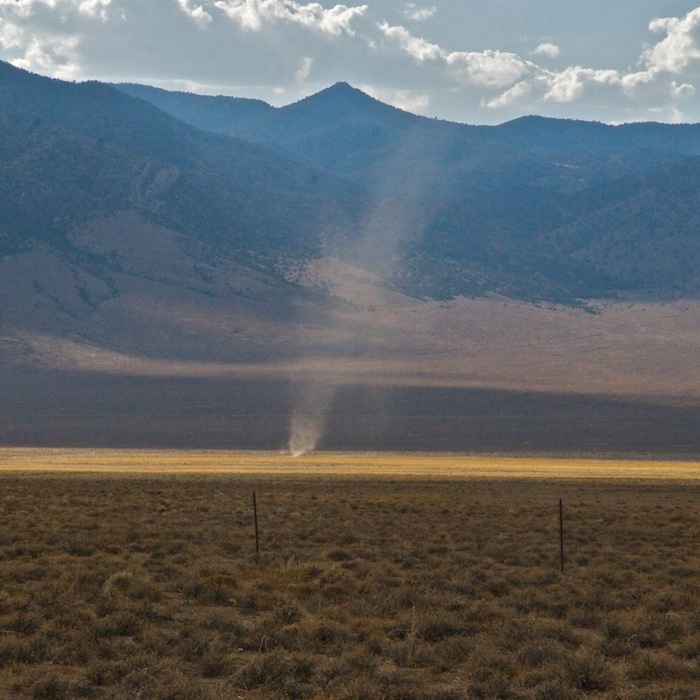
column 77, row 150
column 643, row 232
column 121, row 225
column 535, row 209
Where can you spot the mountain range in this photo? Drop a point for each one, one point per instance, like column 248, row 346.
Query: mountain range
column 181, row 238
column 534, row 208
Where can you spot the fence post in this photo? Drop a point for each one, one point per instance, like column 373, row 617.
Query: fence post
column 561, row 534
column 255, row 521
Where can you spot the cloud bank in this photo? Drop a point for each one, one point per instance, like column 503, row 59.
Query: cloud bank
column 284, row 49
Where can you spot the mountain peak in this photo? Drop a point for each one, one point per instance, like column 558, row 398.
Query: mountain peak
column 343, row 101
column 340, row 93
column 342, row 88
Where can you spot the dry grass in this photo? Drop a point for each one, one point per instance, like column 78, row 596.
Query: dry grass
column 147, row 586
column 340, row 464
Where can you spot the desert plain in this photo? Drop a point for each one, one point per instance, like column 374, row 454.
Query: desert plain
column 134, row 574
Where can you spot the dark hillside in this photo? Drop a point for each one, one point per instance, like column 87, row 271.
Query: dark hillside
column 217, row 114
column 79, row 149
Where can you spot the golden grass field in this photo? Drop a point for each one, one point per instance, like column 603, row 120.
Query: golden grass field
column 341, row 464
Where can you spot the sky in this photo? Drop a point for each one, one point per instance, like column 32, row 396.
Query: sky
column 464, row 60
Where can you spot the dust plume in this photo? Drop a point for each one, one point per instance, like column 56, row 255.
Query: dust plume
column 396, row 214
column 309, row 416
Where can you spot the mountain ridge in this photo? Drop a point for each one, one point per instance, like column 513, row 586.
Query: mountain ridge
column 439, row 209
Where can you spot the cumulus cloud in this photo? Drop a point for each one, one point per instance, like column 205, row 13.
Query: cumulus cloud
column 679, row 50
column 20, row 8
column 304, row 69
column 490, row 69
column 95, row 8
column 570, row 84
column 418, row 14
column 195, row 12
column 11, row 36
column 39, row 37
column 546, row 49
column 27, row 8
column 416, row 47
column 507, row 80
column 57, row 56
column 519, row 93
column 487, row 68
column 253, row 14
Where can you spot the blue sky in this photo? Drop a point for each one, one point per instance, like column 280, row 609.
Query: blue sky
column 466, row 60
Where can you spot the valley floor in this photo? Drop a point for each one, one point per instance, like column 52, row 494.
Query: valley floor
column 43, row 407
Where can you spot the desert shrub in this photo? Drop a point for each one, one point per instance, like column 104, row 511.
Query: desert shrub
column 121, row 623
column 553, row 690
column 15, row 650
column 535, row 655
column 589, row 671
column 215, row 663
column 277, row 670
column 52, row 688
column 22, row 623
column 660, row 666
column 327, row 636
column 338, row 554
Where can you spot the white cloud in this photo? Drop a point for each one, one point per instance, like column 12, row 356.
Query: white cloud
column 22, row 8
column 11, row 36
column 546, row 49
column 570, row 84
column 418, row 14
column 253, row 14
column 95, row 8
column 196, row 12
column 416, row 47
column 26, row 8
column 304, row 69
column 490, row 69
column 246, row 14
column 501, row 80
column 514, row 95
column 40, row 39
column 680, row 49
column 493, row 69
column 56, row 56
